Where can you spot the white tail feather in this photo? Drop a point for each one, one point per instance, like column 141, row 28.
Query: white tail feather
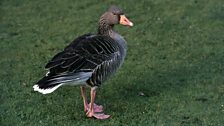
column 45, row 91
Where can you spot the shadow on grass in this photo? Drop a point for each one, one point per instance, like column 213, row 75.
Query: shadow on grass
column 173, row 79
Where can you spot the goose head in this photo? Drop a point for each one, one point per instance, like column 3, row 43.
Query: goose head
column 115, row 15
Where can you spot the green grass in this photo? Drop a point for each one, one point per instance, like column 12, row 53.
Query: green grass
column 175, row 57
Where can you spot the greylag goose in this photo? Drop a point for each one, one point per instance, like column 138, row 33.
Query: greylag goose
column 88, row 61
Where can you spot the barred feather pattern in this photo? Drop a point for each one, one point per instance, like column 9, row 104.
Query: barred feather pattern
column 98, row 54
column 105, row 70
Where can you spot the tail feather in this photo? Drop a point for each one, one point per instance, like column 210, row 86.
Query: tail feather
column 50, row 83
column 47, row 90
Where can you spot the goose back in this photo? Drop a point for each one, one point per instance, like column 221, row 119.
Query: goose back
column 99, row 54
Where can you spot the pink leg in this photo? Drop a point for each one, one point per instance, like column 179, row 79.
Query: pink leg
column 91, row 112
column 97, row 108
column 83, row 92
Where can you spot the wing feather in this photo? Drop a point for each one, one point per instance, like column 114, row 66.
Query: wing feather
column 88, row 53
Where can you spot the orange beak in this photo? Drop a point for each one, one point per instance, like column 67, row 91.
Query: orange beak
column 125, row 21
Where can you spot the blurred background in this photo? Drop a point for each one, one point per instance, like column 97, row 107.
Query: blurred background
column 173, row 74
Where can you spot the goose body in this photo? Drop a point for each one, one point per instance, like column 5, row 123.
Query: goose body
column 88, row 61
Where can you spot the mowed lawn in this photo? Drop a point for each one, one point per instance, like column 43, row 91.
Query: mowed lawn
column 173, row 74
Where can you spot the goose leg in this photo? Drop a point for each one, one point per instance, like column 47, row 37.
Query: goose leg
column 97, row 108
column 83, row 92
column 91, row 112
